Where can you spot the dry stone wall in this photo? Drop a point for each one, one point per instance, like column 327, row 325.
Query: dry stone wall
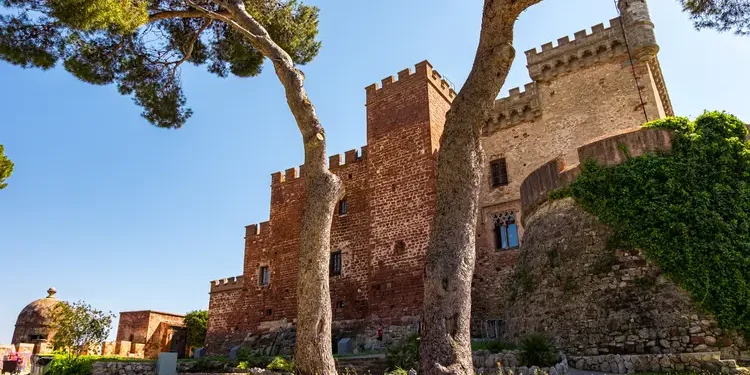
column 124, row 368
column 509, row 363
column 628, row 364
column 594, row 298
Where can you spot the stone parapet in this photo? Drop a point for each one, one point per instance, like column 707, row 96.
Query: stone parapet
column 375, row 92
column 608, row 151
column 230, row 283
column 585, row 49
column 518, row 106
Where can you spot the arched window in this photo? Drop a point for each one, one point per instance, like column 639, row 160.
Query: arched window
column 506, row 230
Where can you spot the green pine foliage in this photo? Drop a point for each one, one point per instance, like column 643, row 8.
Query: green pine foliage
column 689, row 210
column 6, row 167
column 721, row 15
column 132, row 45
column 87, row 15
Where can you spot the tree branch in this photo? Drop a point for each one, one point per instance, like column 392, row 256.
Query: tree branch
column 196, row 13
column 291, row 78
column 188, row 51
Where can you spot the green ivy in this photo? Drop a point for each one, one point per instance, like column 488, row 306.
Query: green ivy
column 689, row 210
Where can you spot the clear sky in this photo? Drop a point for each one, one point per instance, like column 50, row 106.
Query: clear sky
column 126, row 216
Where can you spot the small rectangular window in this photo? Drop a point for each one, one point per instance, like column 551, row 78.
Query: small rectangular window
column 335, row 266
column 498, row 173
column 269, row 312
column 343, row 207
column 264, row 278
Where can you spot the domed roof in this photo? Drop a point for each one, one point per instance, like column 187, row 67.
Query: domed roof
column 39, row 312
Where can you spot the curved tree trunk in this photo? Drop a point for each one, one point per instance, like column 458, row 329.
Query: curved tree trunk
column 323, row 189
column 446, row 345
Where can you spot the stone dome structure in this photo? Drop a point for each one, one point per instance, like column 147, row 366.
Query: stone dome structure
column 34, row 321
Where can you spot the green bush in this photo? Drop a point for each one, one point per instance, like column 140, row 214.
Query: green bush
column 67, row 365
column 536, row 350
column 281, row 364
column 494, row 346
column 252, row 359
column 689, row 210
column 398, row 371
column 404, row 355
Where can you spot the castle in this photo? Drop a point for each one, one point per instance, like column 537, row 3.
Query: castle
column 600, row 82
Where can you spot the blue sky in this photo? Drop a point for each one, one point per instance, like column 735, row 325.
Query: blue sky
column 127, row 216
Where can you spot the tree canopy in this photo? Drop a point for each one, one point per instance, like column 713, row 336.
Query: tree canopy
column 6, row 167
column 140, row 45
column 196, row 323
column 721, row 15
column 79, row 327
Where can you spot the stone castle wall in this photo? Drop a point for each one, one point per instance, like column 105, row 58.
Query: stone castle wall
column 595, row 298
column 390, row 192
column 582, row 89
column 144, row 334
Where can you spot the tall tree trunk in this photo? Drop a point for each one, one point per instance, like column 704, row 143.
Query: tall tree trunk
column 445, row 343
column 323, row 189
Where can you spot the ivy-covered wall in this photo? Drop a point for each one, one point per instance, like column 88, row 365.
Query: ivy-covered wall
column 689, row 210
column 651, row 254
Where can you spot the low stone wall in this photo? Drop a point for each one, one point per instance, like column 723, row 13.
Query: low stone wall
column 628, row 364
column 124, row 368
column 508, row 363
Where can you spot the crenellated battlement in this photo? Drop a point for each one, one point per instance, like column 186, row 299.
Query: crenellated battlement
column 230, row 283
column 585, row 49
column 334, row 162
column 607, row 151
column 261, row 229
column 424, row 69
column 518, row 106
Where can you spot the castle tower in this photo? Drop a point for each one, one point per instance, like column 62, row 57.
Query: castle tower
column 603, row 80
column 405, row 119
column 639, row 30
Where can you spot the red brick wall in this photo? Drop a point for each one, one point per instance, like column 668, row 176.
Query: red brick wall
column 401, row 117
column 224, row 317
column 390, row 191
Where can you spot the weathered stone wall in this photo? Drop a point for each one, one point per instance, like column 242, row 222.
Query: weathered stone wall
column 124, row 368
column 133, row 326
column 710, row 362
column 594, row 298
column 509, row 363
column 144, row 334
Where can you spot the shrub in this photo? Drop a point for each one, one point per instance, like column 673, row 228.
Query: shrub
column 494, row 346
column 404, row 355
column 252, row 359
column 281, row 364
column 67, row 365
column 537, row 351
column 398, row 371
column 688, row 210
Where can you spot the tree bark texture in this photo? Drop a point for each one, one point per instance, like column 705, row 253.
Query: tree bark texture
column 445, row 342
column 323, row 189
